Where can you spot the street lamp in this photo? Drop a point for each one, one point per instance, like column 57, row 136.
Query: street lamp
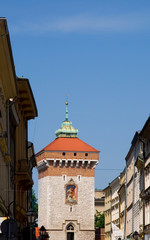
column 31, row 217
column 135, row 235
column 43, row 233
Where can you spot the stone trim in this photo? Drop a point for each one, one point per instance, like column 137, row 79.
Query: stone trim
column 84, row 163
column 43, row 164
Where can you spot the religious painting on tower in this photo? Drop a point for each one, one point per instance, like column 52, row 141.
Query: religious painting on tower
column 71, row 192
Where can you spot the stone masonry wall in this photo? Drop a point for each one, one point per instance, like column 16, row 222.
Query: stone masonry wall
column 72, row 171
column 54, row 213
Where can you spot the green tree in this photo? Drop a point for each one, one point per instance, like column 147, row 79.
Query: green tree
column 34, row 202
column 99, row 220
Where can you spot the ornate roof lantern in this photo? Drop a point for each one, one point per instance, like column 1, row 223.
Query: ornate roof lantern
column 66, row 130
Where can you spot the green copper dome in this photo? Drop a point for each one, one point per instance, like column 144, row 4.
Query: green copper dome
column 66, row 130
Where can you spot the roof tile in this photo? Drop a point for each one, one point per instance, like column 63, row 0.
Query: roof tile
column 69, row 144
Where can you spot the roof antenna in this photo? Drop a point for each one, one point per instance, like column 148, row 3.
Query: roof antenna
column 67, row 107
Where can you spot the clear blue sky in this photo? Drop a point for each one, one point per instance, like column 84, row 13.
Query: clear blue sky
column 99, row 53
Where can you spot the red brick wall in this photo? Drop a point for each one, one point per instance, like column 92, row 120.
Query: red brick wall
column 68, row 155
column 71, row 171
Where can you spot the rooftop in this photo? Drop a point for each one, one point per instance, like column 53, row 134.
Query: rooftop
column 69, row 144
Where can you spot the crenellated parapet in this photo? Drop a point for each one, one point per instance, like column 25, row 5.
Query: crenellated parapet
column 65, row 163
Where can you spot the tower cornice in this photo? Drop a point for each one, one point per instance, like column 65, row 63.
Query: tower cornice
column 73, row 163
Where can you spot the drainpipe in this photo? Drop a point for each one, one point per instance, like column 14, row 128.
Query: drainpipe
column 15, row 177
column 9, row 103
column 8, row 144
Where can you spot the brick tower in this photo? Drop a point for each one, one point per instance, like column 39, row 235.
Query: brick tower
column 66, row 170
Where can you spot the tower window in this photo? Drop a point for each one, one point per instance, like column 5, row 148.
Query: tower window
column 64, row 177
column 79, row 177
column 86, row 154
column 75, row 154
column 63, row 153
column 70, row 227
column 70, row 209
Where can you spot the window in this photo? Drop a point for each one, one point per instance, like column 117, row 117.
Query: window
column 70, row 227
column 63, row 153
column 75, row 154
column 86, row 154
column 79, row 177
column 64, row 177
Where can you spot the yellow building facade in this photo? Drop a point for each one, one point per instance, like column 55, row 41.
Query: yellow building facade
column 17, row 107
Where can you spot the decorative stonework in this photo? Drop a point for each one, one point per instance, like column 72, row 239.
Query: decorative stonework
column 43, row 164
column 67, row 162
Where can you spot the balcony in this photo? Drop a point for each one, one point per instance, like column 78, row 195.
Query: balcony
column 24, row 175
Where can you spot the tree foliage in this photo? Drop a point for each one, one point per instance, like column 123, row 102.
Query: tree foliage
column 99, row 220
column 34, row 202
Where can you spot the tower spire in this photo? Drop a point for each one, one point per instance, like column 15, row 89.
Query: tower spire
column 66, row 110
column 66, row 129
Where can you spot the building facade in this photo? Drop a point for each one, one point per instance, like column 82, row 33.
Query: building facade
column 134, row 186
column 17, row 107
column 122, row 202
column 107, row 191
column 66, row 185
column 134, row 191
column 144, row 166
column 99, row 199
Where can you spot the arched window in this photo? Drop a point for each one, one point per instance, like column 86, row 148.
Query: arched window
column 70, row 227
column 70, row 232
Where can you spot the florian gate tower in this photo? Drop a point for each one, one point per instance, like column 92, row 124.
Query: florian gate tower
column 66, row 185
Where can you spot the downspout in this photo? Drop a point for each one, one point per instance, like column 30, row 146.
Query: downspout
column 9, row 103
column 26, row 124
column 8, row 144
column 15, row 176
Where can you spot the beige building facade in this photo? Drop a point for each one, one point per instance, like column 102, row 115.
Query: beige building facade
column 144, row 165
column 122, row 202
column 99, row 199
column 107, row 191
column 134, row 213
